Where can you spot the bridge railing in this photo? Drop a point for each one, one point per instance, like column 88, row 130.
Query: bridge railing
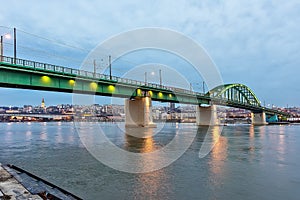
column 87, row 74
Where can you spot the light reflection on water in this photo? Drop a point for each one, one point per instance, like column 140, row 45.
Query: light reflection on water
column 246, row 162
column 219, row 153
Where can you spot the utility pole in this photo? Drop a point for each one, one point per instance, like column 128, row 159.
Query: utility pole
column 191, row 87
column 109, row 61
column 145, row 78
column 203, row 85
column 94, row 68
column 15, row 45
column 1, row 50
column 160, row 79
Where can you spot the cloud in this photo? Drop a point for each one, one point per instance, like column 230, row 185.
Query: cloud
column 254, row 42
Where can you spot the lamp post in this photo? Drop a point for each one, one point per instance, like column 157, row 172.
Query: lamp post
column 5, row 36
column 15, row 45
column 94, row 68
column 160, row 78
column 1, row 49
column 145, row 78
column 109, row 61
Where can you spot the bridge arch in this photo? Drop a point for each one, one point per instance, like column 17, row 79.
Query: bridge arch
column 235, row 93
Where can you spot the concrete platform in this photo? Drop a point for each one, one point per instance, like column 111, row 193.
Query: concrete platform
column 16, row 183
column 11, row 189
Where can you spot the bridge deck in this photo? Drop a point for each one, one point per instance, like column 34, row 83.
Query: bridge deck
column 26, row 74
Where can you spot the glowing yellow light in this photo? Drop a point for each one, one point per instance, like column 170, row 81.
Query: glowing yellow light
column 139, row 92
column 93, row 85
column 150, row 93
column 170, row 95
column 160, row 95
column 111, row 88
column 71, row 82
column 46, row 79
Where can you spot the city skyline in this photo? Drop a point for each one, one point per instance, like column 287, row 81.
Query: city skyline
column 254, row 43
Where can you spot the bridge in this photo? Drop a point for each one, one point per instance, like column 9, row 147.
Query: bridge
column 27, row 74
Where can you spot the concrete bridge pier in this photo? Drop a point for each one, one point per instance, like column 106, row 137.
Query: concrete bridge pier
column 259, row 118
column 138, row 112
column 207, row 116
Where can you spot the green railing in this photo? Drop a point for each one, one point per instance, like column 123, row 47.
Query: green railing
column 28, row 64
column 87, row 74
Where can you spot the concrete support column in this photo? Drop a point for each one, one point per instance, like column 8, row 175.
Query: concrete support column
column 259, row 118
column 138, row 112
column 207, row 116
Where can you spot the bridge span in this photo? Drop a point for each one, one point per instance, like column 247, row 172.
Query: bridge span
column 27, row 74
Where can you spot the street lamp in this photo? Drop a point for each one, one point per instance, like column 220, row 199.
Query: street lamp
column 6, row 36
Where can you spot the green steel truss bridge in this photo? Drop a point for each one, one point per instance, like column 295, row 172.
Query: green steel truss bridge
column 27, row 74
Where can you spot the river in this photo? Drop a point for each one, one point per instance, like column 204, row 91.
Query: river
column 246, row 162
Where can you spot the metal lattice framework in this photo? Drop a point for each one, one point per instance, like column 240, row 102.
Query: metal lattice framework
column 237, row 93
column 27, row 74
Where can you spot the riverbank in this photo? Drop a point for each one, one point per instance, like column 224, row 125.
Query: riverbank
column 16, row 183
column 10, row 188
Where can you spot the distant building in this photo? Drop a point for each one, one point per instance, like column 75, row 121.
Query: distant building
column 172, row 106
column 43, row 103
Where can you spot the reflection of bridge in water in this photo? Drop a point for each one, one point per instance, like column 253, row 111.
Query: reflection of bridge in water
column 26, row 74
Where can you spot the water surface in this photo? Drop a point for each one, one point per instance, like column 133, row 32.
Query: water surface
column 246, row 163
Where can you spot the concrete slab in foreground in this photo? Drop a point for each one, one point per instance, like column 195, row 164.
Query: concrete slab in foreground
column 11, row 189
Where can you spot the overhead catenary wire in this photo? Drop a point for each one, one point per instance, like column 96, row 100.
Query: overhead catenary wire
column 70, row 46
column 54, row 41
column 65, row 44
column 103, row 66
column 76, row 47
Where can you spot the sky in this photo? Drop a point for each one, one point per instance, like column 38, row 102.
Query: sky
column 251, row 42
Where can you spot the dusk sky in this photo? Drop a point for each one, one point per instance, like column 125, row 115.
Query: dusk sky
column 255, row 42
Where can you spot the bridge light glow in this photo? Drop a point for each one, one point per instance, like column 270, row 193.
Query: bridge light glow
column 45, row 79
column 170, row 95
column 139, row 92
column 93, row 85
column 150, row 93
column 72, row 82
column 111, row 88
column 160, row 95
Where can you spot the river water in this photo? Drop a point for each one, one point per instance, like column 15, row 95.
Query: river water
column 246, row 162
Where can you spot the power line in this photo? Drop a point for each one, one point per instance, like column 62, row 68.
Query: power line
column 54, row 41
column 75, row 47
column 71, row 59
